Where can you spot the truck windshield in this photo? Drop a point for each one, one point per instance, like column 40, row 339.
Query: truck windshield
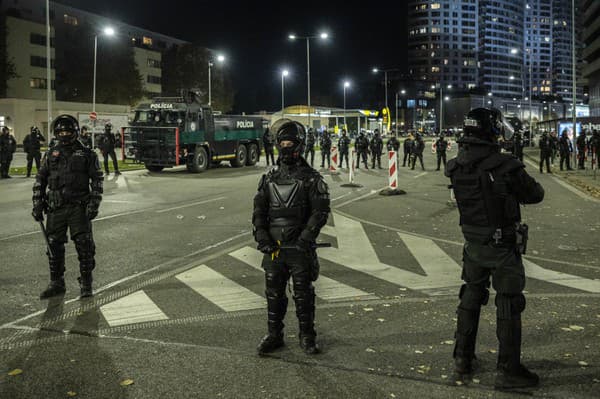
column 160, row 117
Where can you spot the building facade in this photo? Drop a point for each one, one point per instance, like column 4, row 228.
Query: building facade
column 590, row 13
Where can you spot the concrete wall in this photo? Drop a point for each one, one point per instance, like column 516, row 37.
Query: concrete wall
column 20, row 50
column 21, row 114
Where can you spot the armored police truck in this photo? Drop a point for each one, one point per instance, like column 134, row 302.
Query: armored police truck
column 173, row 131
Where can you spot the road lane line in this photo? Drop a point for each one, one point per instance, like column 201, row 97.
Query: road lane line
column 568, row 280
column 192, row 204
column 131, row 309
column 325, row 287
column 372, row 192
column 223, row 292
column 419, row 175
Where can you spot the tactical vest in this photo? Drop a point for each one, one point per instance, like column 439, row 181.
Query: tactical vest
column 68, row 179
column 484, row 199
column 288, row 206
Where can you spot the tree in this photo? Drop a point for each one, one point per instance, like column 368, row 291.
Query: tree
column 118, row 79
column 7, row 67
column 186, row 66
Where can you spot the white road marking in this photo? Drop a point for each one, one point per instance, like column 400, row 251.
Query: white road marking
column 419, row 175
column 372, row 192
column 325, row 287
column 355, row 252
column 133, row 308
column 568, row 280
column 223, row 292
column 192, row 204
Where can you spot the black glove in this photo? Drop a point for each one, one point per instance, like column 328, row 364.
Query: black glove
column 38, row 211
column 302, row 245
column 91, row 211
column 267, row 247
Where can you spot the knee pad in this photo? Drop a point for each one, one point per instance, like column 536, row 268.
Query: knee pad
column 57, row 248
column 473, row 296
column 509, row 306
column 86, row 249
column 275, row 285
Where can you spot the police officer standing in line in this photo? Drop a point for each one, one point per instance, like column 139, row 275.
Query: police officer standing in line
column 290, row 208
column 325, row 149
column 310, row 146
column 86, row 138
column 418, row 145
column 406, row 148
column 267, row 140
column 441, row 145
column 553, row 146
column 8, row 146
column 595, row 146
column 518, row 145
column 31, row 146
column 489, row 187
column 107, row 145
column 565, row 149
column 376, row 147
column 343, row 148
column 545, row 152
column 581, row 144
column 393, row 144
column 362, row 148
column 68, row 188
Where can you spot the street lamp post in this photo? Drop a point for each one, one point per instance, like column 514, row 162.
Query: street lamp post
column 108, row 31
column 385, row 80
column 323, row 36
column 284, row 73
column 220, row 58
column 346, row 85
column 441, row 104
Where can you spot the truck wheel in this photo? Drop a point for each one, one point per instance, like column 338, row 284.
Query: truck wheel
column 199, row 161
column 240, row 157
column 252, row 155
column 154, row 168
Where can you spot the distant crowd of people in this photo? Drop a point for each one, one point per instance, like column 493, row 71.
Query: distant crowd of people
column 365, row 145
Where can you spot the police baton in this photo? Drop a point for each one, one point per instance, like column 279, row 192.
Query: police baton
column 46, row 238
column 313, row 246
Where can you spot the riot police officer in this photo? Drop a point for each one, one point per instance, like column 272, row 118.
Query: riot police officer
column 8, row 146
column 325, row 149
column 31, row 146
column 343, row 147
column 441, row 145
column 416, row 151
column 565, row 149
column 545, row 152
column 85, row 138
column 362, row 147
column 290, row 208
column 581, row 147
column 376, row 147
column 518, row 145
column 489, row 187
column 406, row 148
column 310, row 146
column 69, row 188
column 107, row 145
column 268, row 146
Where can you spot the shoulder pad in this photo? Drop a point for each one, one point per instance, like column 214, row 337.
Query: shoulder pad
column 509, row 164
column 262, row 182
column 322, row 187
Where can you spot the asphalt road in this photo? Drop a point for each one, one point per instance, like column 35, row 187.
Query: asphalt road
column 179, row 307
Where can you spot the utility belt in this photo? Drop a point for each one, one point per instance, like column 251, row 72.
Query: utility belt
column 56, row 200
column 512, row 236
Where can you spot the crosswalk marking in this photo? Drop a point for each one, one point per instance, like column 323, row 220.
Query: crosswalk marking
column 355, row 252
column 134, row 308
column 568, row 280
column 223, row 292
column 325, row 287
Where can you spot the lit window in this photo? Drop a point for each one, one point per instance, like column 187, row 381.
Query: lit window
column 70, row 20
column 435, row 69
column 147, row 41
column 435, row 6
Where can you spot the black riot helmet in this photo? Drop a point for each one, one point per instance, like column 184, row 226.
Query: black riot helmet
column 289, row 130
column 108, row 127
column 65, row 128
column 486, row 125
column 5, row 130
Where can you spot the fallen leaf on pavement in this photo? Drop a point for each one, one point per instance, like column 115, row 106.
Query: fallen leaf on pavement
column 567, row 355
column 381, row 320
column 71, row 394
column 370, row 350
column 387, row 305
column 418, row 351
column 459, row 383
column 576, row 328
column 476, row 381
column 449, row 342
column 368, row 309
column 350, row 313
column 179, row 216
column 126, row 382
column 15, row 372
column 566, row 329
column 402, row 289
column 492, row 350
column 444, row 376
column 582, row 363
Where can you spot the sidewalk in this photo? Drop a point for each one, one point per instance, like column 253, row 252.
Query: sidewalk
column 586, row 180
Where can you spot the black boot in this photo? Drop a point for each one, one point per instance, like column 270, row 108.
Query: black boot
column 276, row 307
column 55, row 288
column 304, row 297
column 511, row 373
column 466, row 336
column 57, row 271
column 85, row 284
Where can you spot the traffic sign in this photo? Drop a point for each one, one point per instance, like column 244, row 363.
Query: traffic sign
column 93, row 116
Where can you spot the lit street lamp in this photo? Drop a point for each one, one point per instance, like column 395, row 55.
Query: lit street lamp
column 322, row 36
column 346, row 85
column 284, row 73
column 221, row 59
column 108, row 31
column 385, row 71
column 442, row 98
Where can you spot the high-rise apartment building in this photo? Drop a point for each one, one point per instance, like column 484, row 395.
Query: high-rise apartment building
column 590, row 15
column 537, row 48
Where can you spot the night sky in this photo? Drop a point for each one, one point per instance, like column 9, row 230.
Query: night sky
column 254, row 37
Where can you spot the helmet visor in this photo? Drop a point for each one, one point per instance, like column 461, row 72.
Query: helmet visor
column 507, row 129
